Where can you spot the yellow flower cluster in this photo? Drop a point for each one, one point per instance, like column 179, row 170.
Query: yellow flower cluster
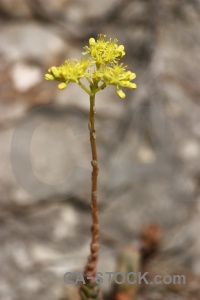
column 71, row 71
column 117, row 76
column 100, row 69
column 102, row 51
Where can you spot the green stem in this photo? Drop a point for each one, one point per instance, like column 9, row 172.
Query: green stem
column 95, row 171
column 84, row 88
column 88, row 79
column 101, row 87
column 92, row 290
column 90, row 269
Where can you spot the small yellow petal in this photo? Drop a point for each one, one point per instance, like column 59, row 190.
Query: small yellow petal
column 133, row 85
column 120, row 93
column 49, row 77
column 62, row 86
column 131, row 75
column 91, row 41
column 55, row 71
column 121, row 48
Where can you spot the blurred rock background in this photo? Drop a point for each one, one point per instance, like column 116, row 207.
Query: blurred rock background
column 148, row 144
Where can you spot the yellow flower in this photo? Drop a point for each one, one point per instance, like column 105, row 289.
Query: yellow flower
column 102, row 51
column 100, row 69
column 118, row 76
column 71, row 71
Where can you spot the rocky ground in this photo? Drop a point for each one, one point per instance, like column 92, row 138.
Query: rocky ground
column 148, row 144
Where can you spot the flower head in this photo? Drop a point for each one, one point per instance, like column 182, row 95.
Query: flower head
column 118, row 76
column 100, row 69
column 102, row 51
column 71, row 71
